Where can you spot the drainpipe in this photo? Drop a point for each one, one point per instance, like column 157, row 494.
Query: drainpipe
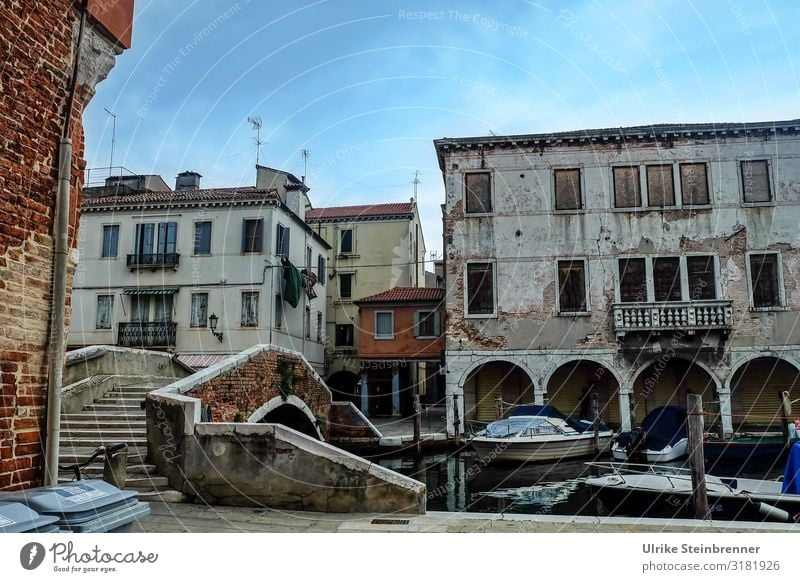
column 60, row 263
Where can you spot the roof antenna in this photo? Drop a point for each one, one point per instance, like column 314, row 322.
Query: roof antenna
column 113, row 139
column 416, row 183
column 256, row 123
column 304, row 153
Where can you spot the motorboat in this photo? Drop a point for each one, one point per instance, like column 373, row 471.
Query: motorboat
column 663, row 490
column 746, row 450
column 534, row 432
column 663, row 437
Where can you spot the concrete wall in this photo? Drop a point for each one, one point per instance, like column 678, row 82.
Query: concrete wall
column 224, row 275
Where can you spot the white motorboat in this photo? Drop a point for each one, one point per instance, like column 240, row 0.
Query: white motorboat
column 663, row 437
column 537, row 433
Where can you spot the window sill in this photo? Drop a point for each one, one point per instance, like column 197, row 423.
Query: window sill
column 570, row 211
column 343, row 302
column 478, row 214
column 198, row 327
column 480, row 316
column 109, row 258
column 210, row 255
column 426, row 337
column 348, row 256
column 768, row 309
column 574, row 314
column 383, row 337
column 631, row 209
column 696, row 207
column 253, row 326
column 769, row 204
column 245, row 253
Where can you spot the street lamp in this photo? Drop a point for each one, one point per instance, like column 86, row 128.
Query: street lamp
column 212, row 323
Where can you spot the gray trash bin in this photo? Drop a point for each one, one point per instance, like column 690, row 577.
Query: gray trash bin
column 18, row 518
column 91, row 506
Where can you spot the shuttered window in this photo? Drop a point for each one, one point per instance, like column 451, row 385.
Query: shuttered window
column 632, row 281
column 252, row 235
column 346, row 241
column 478, row 192
column 278, row 312
column 764, row 280
column 572, row 287
column 480, row 289
column 282, row 241
column 105, row 309
column 568, row 189
column 755, row 181
column 321, row 269
column 202, row 238
column 627, row 190
column 667, row 279
column 250, row 309
column 694, row 184
column 346, row 286
column 426, row 324
column 199, row 315
column 701, row 272
column 320, row 328
column 660, row 186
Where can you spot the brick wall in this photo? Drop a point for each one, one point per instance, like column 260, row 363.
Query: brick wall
column 36, row 48
column 244, row 389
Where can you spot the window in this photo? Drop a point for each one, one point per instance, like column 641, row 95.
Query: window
column 346, row 286
column 660, row 185
column 308, row 258
column 694, row 184
column 252, row 235
column 110, row 240
column 426, row 324
column 320, row 330
column 384, row 325
column 307, row 323
column 627, row 189
column 572, row 287
column 344, row 335
column 568, row 189
column 145, row 233
column 480, row 289
column 321, row 269
column 250, row 309
column 282, row 241
column 278, row 312
column 167, row 238
column 346, row 241
column 105, row 310
column 667, row 279
column 199, row 315
column 478, row 192
column 764, row 280
column 632, row 281
column 163, row 308
column 755, row 181
column 701, row 272
column 140, row 308
column 202, row 238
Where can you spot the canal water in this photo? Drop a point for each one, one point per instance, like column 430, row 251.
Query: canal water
column 461, row 482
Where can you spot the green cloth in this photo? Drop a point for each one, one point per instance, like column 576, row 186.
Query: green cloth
column 292, row 285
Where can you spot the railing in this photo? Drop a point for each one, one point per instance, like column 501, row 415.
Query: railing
column 686, row 316
column 147, row 334
column 153, row 261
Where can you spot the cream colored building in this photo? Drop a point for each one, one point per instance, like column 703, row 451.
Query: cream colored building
column 158, row 268
column 375, row 247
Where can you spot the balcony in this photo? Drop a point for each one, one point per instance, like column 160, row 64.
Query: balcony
column 147, row 334
column 153, row 261
column 682, row 316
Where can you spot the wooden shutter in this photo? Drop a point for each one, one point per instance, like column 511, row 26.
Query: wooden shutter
column 660, row 186
column 568, row 189
column 627, row 189
column 694, row 184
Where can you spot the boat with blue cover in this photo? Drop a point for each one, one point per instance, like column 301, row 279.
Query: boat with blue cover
column 663, row 437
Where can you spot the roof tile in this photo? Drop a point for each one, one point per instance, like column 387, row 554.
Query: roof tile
column 406, row 294
column 361, row 211
column 182, row 196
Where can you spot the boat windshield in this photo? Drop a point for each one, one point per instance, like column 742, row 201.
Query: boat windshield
column 516, row 425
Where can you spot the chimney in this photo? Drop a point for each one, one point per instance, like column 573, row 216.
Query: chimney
column 187, row 181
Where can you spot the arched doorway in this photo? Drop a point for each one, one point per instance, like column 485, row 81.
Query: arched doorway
column 570, row 386
column 291, row 416
column 490, row 380
column 668, row 380
column 756, row 388
column 344, row 386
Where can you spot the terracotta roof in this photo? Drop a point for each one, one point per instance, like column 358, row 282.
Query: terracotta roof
column 406, row 295
column 181, row 197
column 390, row 209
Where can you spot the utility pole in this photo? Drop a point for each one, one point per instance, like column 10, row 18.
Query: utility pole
column 113, row 139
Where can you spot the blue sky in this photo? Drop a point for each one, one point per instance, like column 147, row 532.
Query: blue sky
column 366, row 86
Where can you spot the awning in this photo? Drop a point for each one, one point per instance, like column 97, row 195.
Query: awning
column 150, row 291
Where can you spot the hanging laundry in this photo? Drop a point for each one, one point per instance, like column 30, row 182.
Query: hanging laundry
column 292, row 283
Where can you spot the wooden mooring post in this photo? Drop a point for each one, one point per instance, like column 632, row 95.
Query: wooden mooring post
column 417, row 424
column 456, row 421
column 596, row 422
column 786, row 409
column 696, row 458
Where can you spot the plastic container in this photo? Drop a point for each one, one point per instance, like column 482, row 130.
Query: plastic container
column 18, row 518
column 91, row 506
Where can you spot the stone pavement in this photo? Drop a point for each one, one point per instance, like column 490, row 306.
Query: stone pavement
column 185, row 517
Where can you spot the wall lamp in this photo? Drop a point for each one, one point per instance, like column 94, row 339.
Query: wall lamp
column 212, row 323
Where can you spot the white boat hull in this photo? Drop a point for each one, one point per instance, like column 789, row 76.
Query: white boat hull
column 663, row 456
column 528, row 449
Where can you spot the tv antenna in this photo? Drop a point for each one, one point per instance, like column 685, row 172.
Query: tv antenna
column 113, row 139
column 304, row 153
column 256, row 123
column 416, row 183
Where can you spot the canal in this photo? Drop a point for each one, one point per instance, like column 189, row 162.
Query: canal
column 461, row 482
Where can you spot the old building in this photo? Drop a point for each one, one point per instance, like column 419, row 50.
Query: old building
column 638, row 263
column 39, row 43
column 374, row 247
column 400, row 348
column 201, row 272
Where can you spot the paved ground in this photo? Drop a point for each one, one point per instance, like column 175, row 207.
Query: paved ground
column 433, row 421
column 185, row 517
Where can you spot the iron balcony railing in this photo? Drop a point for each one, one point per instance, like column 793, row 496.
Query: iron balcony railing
column 684, row 316
column 153, row 261
column 147, row 334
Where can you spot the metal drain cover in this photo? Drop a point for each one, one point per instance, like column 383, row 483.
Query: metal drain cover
column 390, row 522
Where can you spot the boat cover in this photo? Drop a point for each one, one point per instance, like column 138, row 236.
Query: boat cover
column 791, row 476
column 664, row 426
column 551, row 412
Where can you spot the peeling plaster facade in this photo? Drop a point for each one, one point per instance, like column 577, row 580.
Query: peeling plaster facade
column 524, row 237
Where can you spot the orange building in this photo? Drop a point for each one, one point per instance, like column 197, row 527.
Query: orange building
column 400, row 348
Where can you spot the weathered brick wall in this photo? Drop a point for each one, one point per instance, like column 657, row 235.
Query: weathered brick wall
column 239, row 392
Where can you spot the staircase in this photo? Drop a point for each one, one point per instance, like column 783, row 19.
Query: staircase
column 116, row 417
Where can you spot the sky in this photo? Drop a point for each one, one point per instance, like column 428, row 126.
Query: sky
column 366, row 86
